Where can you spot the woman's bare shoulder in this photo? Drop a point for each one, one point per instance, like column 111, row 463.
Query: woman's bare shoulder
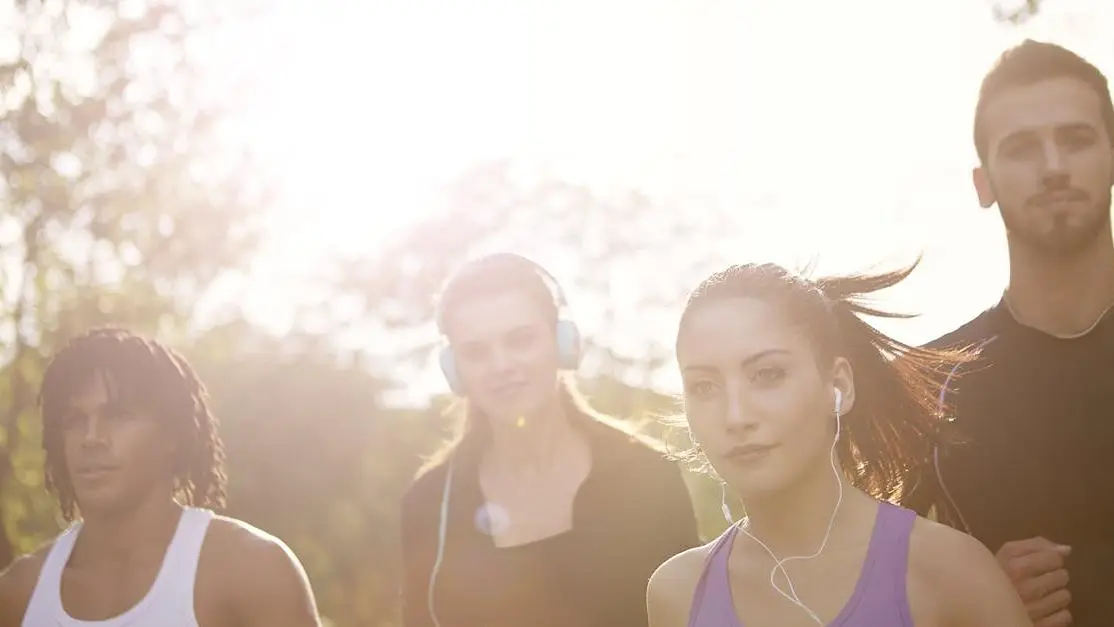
column 955, row 580
column 670, row 592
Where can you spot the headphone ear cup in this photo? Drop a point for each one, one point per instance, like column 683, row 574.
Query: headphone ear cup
column 448, row 368
column 569, row 348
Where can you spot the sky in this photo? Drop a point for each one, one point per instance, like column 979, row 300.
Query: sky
column 843, row 127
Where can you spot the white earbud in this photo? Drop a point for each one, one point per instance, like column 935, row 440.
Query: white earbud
column 723, row 503
column 839, row 401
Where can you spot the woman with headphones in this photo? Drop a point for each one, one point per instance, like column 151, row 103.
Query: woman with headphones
column 814, row 419
column 541, row 513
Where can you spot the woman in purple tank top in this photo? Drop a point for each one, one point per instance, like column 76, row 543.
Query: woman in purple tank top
column 812, row 419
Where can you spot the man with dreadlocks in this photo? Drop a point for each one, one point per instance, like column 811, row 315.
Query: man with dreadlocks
column 134, row 458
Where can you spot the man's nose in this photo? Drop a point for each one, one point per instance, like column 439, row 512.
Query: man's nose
column 1055, row 175
column 94, row 431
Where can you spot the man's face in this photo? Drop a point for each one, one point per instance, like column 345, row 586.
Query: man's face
column 1049, row 165
column 116, row 456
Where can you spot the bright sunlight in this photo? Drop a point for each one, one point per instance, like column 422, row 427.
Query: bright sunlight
column 791, row 111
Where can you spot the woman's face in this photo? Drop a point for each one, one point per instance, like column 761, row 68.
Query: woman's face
column 505, row 348
column 757, row 401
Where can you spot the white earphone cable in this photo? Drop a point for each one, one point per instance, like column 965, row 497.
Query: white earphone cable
column 779, row 564
column 442, row 534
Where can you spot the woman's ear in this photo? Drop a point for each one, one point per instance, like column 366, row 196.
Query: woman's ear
column 843, row 382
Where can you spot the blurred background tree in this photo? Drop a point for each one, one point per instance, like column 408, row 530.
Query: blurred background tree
column 1017, row 12
column 120, row 202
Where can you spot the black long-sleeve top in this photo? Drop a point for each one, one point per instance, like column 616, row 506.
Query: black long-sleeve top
column 631, row 514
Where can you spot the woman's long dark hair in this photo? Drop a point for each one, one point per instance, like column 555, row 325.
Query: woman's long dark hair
column 897, row 418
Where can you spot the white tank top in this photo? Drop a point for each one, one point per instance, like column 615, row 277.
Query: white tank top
column 169, row 602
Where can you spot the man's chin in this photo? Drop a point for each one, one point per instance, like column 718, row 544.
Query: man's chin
column 1068, row 235
column 1063, row 240
column 101, row 505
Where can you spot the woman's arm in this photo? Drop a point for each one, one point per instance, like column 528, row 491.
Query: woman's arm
column 416, row 562
column 653, row 522
column 677, row 516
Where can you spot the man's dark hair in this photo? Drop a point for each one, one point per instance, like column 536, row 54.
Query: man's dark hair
column 145, row 375
column 1031, row 62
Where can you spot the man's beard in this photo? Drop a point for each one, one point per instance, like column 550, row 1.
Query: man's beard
column 1064, row 240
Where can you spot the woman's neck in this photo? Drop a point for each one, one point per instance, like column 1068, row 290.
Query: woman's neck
column 795, row 521
column 532, row 443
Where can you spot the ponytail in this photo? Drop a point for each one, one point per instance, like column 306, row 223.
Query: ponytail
column 896, row 421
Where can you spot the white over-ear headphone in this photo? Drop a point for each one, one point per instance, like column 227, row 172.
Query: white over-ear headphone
column 569, row 343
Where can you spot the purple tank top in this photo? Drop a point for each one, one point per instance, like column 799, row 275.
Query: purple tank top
column 879, row 599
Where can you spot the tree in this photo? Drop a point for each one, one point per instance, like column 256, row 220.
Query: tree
column 117, row 191
column 1017, row 14
column 316, row 458
column 611, row 240
column 612, row 244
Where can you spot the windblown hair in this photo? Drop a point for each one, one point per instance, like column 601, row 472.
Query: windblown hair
column 146, row 376
column 897, row 418
column 1031, row 62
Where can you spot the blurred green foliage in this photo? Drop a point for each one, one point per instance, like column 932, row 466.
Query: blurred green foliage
column 121, row 206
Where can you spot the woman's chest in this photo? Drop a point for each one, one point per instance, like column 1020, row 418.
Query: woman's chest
column 847, row 588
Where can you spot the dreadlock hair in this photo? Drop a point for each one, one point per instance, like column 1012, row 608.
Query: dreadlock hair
column 146, row 374
column 897, row 417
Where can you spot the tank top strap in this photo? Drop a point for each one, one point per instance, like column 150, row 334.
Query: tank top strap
column 895, row 527
column 179, row 572
column 711, row 599
column 46, row 598
column 884, row 579
column 169, row 600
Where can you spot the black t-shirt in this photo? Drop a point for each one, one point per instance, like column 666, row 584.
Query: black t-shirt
column 1037, row 413
column 631, row 514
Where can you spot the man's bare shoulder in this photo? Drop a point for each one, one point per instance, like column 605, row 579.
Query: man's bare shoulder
column 670, row 591
column 254, row 575
column 234, row 548
column 17, row 584
column 236, row 535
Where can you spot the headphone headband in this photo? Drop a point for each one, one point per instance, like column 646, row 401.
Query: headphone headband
column 504, row 261
column 566, row 333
